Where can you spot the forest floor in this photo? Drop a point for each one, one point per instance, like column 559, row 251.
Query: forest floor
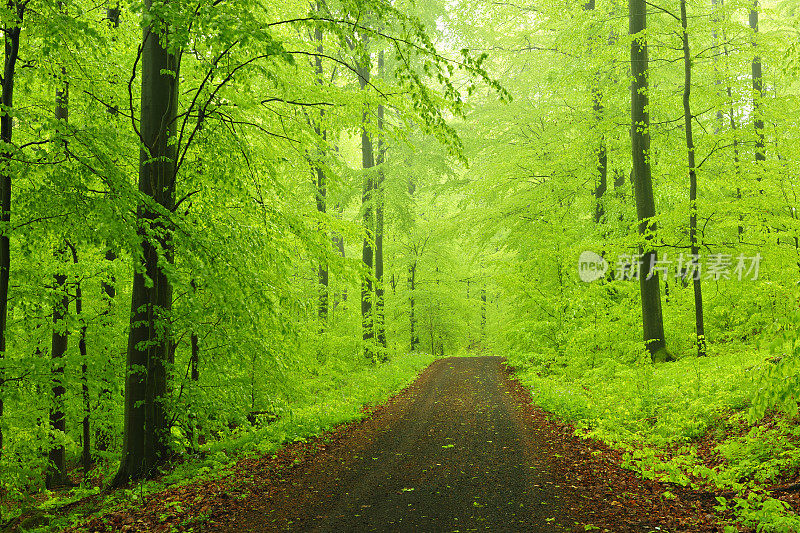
column 461, row 449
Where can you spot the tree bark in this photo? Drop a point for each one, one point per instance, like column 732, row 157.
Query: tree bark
column 321, row 187
column 483, row 315
column 12, row 38
column 194, row 363
column 601, row 154
column 105, row 400
column 690, row 155
column 758, row 91
column 367, row 195
column 412, row 278
column 56, row 469
column 652, row 321
column 145, row 438
column 86, row 456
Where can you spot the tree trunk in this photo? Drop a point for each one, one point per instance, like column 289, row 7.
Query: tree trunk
column 86, row 456
column 368, row 161
column 105, row 398
column 321, row 189
column 145, row 438
column 412, row 275
column 380, row 315
column 652, row 321
column 602, row 156
column 758, row 91
column 483, row 315
column 56, row 469
column 690, row 154
column 194, row 363
column 12, row 33
column 112, row 14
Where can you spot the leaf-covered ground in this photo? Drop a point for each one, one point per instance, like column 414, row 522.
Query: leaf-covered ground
column 462, row 448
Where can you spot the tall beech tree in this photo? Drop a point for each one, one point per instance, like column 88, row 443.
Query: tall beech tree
column 12, row 31
column 652, row 320
column 145, row 438
column 321, row 188
column 367, row 205
column 56, row 473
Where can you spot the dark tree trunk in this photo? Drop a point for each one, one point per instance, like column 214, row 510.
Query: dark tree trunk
column 690, row 153
column 56, row 473
column 105, row 398
column 56, row 470
column 321, row 189
column 412, row 279
column 145, row 438
column 736, row 159
column 602, row 171
column 483, row 314
column 194, row 363
column 12, row 33
column 112, row 14
column 652, row 321
column 367, row 196
column 86, row 456
column 601, row 154
column 758, row 91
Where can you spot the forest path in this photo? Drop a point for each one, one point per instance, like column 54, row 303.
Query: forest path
column 450, row 453
column 461, row 449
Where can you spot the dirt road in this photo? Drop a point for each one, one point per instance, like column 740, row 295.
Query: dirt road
column 462, row 449
column 450, row 454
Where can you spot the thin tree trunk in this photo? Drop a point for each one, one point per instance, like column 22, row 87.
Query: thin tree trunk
column 690, row 154
column 56, row 473
column 483, row 315
column 338, row 243
column 412, row 275
column 652, row 321
column 86, row 456
column 194, row 363
column 321, row 187
column 758, row 91
column 56, row 469
column 601, row 155
column 105, row 399
column 146, row 438
column 12, row 36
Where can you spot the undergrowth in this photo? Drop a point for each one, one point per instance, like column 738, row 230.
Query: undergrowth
column 333, row 394
column 715, row 423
